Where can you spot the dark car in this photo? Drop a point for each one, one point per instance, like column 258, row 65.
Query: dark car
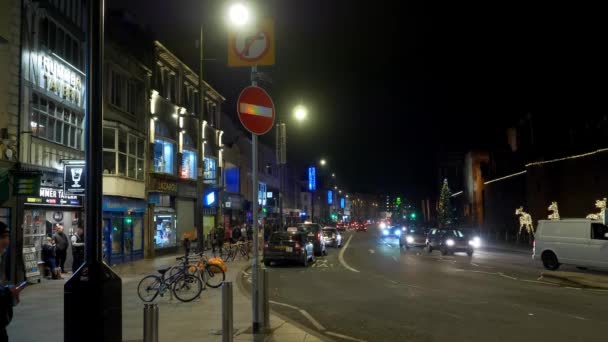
column 360, row 227
column 341, row 227
column 412, row 237
column 391, row 231
column 287, row 246
column 314, row 231
column 448, row 241
column 332, row 237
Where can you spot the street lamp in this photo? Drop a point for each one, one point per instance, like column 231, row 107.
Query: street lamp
column 238, row 14
column 322, row 162
column 333, row 175
column 300, row 113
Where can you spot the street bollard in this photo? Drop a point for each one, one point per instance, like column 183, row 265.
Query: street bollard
column 227, row 314
column 150, row 323
column 265, row 301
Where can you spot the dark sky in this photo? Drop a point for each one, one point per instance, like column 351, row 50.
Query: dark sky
column 389, row 83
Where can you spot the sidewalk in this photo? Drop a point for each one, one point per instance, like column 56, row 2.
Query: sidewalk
column 39, row 316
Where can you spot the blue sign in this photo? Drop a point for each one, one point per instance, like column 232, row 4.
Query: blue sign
column 312, row 179
column 342, row 203
column 209, row 198
column 330, row 197
column 123, row 204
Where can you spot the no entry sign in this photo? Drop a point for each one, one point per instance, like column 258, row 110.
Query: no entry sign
column 256, row 110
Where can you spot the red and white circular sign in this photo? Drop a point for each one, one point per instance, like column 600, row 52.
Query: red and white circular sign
column 256, row 110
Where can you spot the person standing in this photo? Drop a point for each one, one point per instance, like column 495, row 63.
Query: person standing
column 219, row 238
column 236, row 233
column 49, row 256
column 77, row 249
column 9, row 295
column 61, row 243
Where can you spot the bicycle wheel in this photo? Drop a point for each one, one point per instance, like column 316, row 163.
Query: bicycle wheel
column 214, row 276
column 245, row 252
column 225, row 254
column 187, row 288
column 148, row 288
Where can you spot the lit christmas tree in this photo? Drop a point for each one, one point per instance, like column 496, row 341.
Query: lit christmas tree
column 444, row 209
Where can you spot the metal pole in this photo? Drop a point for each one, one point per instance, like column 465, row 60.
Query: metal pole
column 150, row 323
column 312, row 206
column 200, row 186
column 265, row 303
column 227, row 312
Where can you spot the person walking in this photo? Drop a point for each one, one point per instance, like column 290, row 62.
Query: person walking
column 219, row 238
column 9, row 295
column 61, row 243
column 77, row 249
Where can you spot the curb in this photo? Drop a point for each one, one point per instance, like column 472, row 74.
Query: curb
column 315, row 333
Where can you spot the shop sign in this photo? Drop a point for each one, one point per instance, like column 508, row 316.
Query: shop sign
column 163, row 185
column 27, row 185
column 53, row 196
column 61, row 79
column 74, row 177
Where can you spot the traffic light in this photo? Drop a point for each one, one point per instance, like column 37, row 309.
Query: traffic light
column 413, row 216
column 128, row 220
column 264, row 210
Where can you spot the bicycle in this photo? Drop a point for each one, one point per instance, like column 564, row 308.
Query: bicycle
column 185, row 287
column 197, row 265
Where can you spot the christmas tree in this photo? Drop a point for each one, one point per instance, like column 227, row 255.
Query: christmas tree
column 444, row 209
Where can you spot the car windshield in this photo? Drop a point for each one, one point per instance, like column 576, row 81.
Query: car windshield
column 454, row 232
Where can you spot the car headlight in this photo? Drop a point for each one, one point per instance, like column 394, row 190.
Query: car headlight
column 382, row 225
column 385, row 232
column 475, row 242
column 398, row 232
column 409, row 239
column 449, row 242
column 403, row 228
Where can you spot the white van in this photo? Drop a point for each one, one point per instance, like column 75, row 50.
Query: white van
column 578, row 242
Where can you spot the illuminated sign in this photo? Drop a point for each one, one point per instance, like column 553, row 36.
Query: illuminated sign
column 312, row 179
column 269, row 195
column 62, row 79
column 74, row 177
column 342, row 203
column 330, row 197
column 54, row 196
column 210, row 198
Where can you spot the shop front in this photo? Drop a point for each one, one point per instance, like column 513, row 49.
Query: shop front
column 41, row 215
column 163, row 196
column 123, row 229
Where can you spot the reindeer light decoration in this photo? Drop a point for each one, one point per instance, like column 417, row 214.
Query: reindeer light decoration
column 525, row 221
column 600, row 204
column 555, row 212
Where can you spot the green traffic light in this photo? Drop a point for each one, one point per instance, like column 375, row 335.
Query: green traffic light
column 413, row 215
column 264, row 210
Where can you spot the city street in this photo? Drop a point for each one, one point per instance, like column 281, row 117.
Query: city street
column 375, row 292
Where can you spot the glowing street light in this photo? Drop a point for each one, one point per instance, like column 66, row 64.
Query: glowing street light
column 238, row 14
column 333, row 175
column 322, row 162
column 300, row 113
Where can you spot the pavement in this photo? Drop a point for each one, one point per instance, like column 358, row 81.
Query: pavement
column 39, row 316
column 370, row 290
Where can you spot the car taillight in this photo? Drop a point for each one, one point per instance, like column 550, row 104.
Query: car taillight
column 298, row 246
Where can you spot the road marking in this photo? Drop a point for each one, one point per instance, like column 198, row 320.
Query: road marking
column 344, row 337
column 372, row 251
column 573, row 288
column 341, row 256
column 395, row 258
column 506, row 276
column 312, row 320
column 539, row 282
column 283, row 304
column 474, row 264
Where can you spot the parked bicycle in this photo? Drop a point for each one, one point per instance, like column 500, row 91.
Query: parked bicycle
column 241, row 248
column 197, row 265
column 184, row 286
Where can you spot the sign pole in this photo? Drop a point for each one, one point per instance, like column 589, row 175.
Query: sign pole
column 255, row 266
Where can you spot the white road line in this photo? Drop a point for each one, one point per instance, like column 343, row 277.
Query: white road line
column 341, row 256
column 506, row 276
column 283, row 304
column 371, row 251
column 344, row 337
column 539, row 282
column 312, row 320
column 474, row 264
column 573, row 288
column 395, row 258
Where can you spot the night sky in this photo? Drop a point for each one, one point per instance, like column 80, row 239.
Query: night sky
column 389, row 83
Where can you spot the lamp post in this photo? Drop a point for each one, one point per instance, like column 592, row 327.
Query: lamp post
column 299, row 114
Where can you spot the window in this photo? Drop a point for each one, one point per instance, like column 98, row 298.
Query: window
column 60, row 41
column 56, row 123
column 209, row 174
column 125, row 93
column 599, row 231
column 122, row 155
column 189, row 164
column 163, row 156
column 262, row 193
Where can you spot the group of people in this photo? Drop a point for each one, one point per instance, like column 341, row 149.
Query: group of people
column 9, row 295
column 54, row 251
column 219, row 235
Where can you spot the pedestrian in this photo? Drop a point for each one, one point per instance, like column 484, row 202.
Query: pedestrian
column 218, row 238
column 77, row 249
column 249, row 233
column 61, row 243
column 236, row 233
column 9, row 295
column 187, row 245
column 49, row 256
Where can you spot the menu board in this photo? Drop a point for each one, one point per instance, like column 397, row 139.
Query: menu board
column 30, row 262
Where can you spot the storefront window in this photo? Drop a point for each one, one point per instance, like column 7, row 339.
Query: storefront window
column 189, row 164
column 116, row 226
column 262, row 193
column 165, row 230
column 163, row 156
column 209, row 175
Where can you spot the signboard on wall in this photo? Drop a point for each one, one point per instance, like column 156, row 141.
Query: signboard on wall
column 312, row 178
column 163, row 185
column 74, row 177
column 26, row 185
column 53, row 196
column 62, row 79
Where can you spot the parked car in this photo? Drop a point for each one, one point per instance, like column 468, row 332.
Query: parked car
column 332, row 237
column 579, row 242
column 313, row 232
column 449, row 241
column 412, row 237
column 288, row 246
column 361, row 228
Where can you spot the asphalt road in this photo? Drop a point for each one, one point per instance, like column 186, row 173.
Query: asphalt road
column 415, row 296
